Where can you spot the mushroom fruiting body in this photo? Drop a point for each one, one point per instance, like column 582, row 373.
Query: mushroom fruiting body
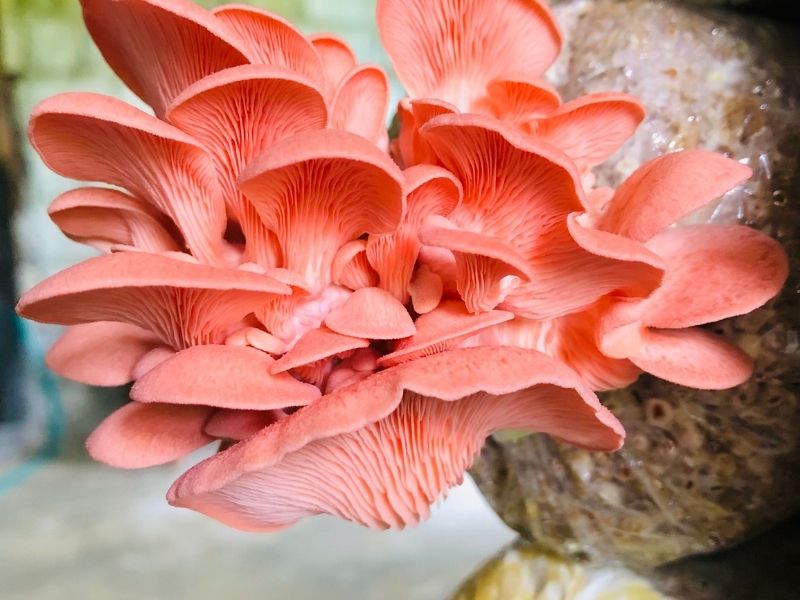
column 352, row 318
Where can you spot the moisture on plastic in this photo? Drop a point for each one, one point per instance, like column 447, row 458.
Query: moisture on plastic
column 700, row 470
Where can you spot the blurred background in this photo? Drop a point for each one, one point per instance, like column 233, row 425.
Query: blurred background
column 70, row 528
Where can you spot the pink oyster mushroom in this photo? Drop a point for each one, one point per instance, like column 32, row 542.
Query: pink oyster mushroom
column 711, row 272
column 273, row 281
column 260, row 253
column 488, row 57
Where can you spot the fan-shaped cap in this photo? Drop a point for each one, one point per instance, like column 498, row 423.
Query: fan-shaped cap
column 106, row 218
column 668, row 188
column 380, row 468
column 98, row 138
column 237, row 115
column 182, row 303
column 591, row 128
column 272, row 40
column 319, row 190
column 138, row 435
column 693, row 357
column 337, row 57
column 371, row 313
column 713, row 272
column 520, row 192
column 518, row 100
column 224, row 377
column 102, row 353
column 451, row 49
column 515, row 188
column 160, row 47
column 442, row 329
column 361, row 102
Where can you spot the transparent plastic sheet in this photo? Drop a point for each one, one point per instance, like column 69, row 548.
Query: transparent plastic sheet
column 700, row 470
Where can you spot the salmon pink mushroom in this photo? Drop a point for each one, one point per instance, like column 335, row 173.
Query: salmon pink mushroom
column 445, row 50
column 97, row 138
column 510, row 234
column 225, row 87
column 108, row 219
column 349, row 330
column 101, row 353
column 429, row 191
column 269, row 39
column 441, row 53
column 161, row 47
column 133, row 309
column 711, row 272
column 319, row 190
column 238, row 113
column 382, row 451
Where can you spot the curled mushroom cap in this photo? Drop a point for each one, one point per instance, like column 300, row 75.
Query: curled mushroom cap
column 102, row 353
column 361, row 102
column 710, row 272
column 381, row 451
column 444, row 49
column 182, row 303
column 668, row 188
column 97, row 138
column 519, row 99
column 272, row 40
column 145, row 435
column 518, row 195
column 348, row 328
column 238, row 114
column 591, row 128
column 371, row 313
column 108, row 219
column 713, row 273
column 160, row 47
column 320, row 190
column 225, row 377
column 337, row 57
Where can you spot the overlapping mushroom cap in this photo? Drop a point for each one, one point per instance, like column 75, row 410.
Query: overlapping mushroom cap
column 351, row 329
column 711, row 272
column 474, row 56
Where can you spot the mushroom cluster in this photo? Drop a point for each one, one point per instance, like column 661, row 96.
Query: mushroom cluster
column 350, row 317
